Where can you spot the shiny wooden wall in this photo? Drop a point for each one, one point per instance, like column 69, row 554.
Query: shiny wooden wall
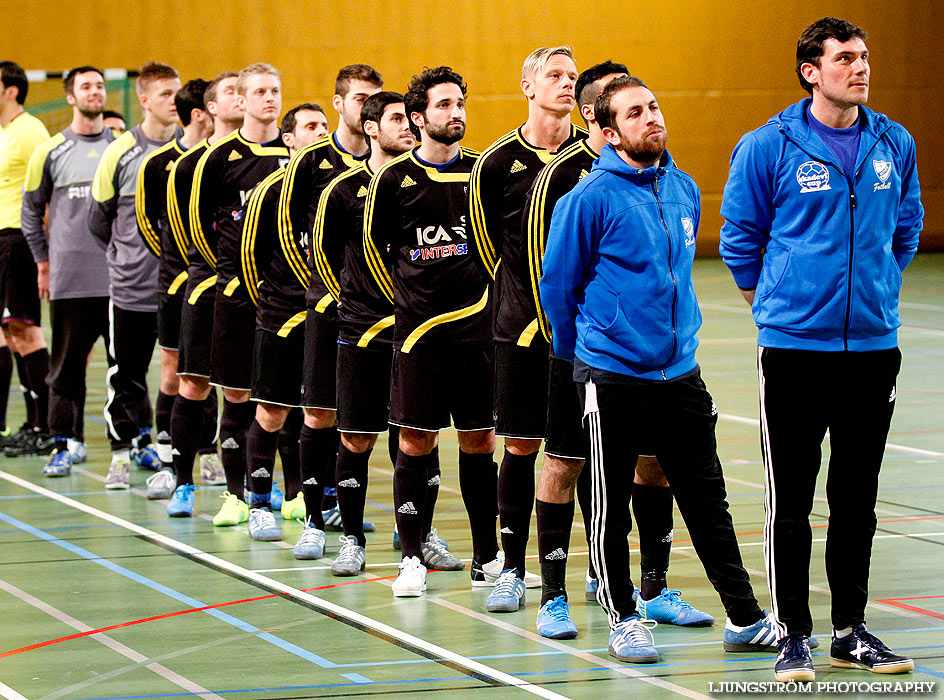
column 720, row 68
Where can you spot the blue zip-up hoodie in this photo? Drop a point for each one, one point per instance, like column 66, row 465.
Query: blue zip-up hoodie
column 830, row 277
column 617, row 284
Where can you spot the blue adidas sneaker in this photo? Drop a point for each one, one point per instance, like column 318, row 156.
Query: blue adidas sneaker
column 590, row 590
column 276, row 498
column 554, row 620
column 146, row 458
column 668, row 608
column 508, row 593
column 631, row 641
column 181, row 503
column 59, row 464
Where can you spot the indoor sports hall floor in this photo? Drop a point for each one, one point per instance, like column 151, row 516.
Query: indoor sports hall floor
column 102, row 596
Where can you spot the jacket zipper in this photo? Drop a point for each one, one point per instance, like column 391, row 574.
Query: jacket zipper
column 668, row 237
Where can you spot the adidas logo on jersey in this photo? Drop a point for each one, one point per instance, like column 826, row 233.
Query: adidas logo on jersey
column 261, row 473
column 310, row 482
column 230, row 444
column 324, row 165
column 407, row 509
column 557, row 555
column 94, row 154
column 362, row 192
column 435, row 481
column 234, row 155
column 517, row 167
column 408, row 182
column 507, row 531
column 349, row 483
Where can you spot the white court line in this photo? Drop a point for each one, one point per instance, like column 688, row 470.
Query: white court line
column 101, row 638
column 10, row 694
column 888, row 445
column 478, row 669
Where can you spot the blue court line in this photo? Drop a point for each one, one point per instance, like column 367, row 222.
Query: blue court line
column 170, row 592
column 924, row 669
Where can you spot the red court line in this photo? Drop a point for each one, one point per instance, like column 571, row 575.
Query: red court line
column 79, row 635
column 895, row 602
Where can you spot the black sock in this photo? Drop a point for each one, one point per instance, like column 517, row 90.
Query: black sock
column 211, row 420
column 433, row 480
column 515, row 503
column 652, row 508
column 409, row 498
column 288, row 453
column 583, row 498
column 351, row 475
column 6, row 376
column 24, row 388
column 163, row 408
column 234, row 424
column 186, row 419
column 36, row 365
column 478, row 481
column 261, row 447
column 313, row 445
column 393, row 443
column 555, row 521
column 330, row 458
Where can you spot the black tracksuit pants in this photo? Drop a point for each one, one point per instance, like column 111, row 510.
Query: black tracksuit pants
column 802, row 395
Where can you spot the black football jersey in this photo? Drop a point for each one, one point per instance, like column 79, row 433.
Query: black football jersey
column 365, row 316
column 223, row 179
column 500, row 183
column 150, row 203
column 179, row 187
column 308, row 173
column 557, row 178
column 416, row 247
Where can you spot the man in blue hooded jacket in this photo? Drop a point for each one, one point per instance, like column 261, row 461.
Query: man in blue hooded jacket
column 617, row 290
column 823, row 211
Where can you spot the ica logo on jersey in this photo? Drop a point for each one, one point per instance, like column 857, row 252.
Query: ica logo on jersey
column 435, row 242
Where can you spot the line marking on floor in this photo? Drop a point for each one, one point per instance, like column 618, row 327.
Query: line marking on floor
column 413, row 643
column 114, row 645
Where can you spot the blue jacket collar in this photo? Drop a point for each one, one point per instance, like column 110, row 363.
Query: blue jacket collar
column 610, row 160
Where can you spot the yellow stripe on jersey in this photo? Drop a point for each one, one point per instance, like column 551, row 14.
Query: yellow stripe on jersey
column 323, row 303
column 247, row 246
column 103, row 184
column 375, row 264
column 483, row 241
column 177, row 227
column 151, row 237
column 196, row 225
column 456, row 315
column 231, row 287
column 372, row 332
column 527, row 335
column 287, row 240
column 200, row 289
column 291, row 323
column 322, row 265
column 175, row 285
column 437, row 176
column 537, row 228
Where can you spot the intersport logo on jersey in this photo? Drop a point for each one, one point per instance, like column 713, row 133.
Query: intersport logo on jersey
column 436, row 242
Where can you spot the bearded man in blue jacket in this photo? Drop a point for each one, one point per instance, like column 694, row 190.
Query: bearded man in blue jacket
column 823, row 211
column 617, row 290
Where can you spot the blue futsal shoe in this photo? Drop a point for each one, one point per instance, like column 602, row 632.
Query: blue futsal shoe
column 631, row 641
column 554, row 620
column 181, row 503
column 59, row 464
column 668, row 608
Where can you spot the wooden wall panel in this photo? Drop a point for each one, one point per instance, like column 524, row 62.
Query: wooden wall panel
column 720, row 68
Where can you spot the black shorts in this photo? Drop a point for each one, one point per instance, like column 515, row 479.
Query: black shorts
column 196, row 329
column 169, row 309
column 19, row 293
column 277, row 367
column 364, row 388
column 431, row 383
column 319, row 372
column 565, row 434
column 521, row 390
column 234, row 333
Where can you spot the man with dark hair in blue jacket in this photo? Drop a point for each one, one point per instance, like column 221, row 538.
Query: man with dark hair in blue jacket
column 823, row 211
column 617, row 290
